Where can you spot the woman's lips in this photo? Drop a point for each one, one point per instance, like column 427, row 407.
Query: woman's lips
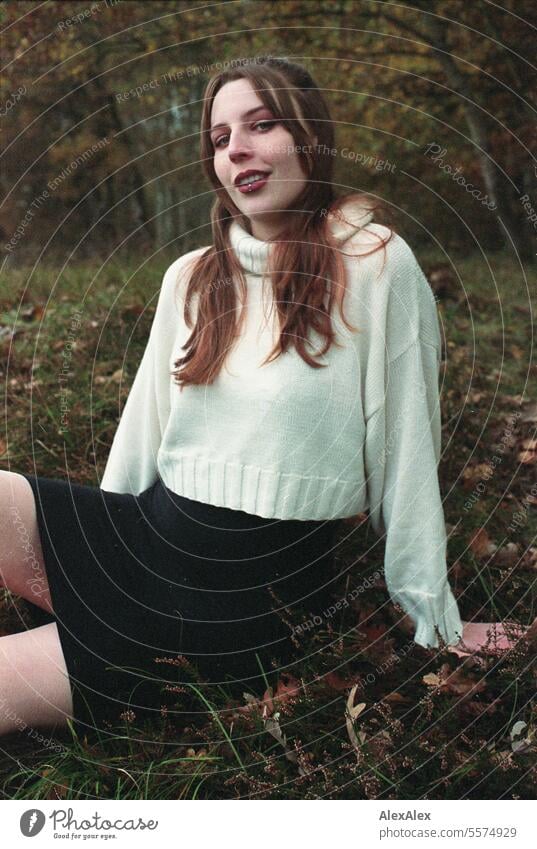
column 248, row 188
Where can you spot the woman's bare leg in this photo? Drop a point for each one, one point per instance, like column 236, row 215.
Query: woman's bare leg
column 34, row 683
column 22, row 568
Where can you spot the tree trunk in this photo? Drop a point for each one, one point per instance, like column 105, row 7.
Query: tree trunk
column 136, row 175
column 507, row 218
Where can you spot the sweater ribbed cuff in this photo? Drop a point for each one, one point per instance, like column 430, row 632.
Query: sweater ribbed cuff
column 427, row 610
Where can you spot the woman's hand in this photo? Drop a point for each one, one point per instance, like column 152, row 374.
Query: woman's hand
column 488, row 637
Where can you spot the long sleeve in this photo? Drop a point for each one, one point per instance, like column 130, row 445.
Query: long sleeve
column 132, row 462
column 402, row 452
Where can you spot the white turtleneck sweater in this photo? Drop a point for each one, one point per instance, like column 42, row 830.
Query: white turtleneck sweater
column 287, row 441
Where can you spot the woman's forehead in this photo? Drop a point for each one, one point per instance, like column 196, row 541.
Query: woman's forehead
column 234, row 100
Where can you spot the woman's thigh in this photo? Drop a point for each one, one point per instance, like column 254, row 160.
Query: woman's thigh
column 22, row 569
column 34, row 683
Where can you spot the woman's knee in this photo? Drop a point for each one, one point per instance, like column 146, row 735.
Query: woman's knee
column 22, row 568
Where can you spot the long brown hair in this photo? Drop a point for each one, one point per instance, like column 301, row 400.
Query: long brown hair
column 288, row 90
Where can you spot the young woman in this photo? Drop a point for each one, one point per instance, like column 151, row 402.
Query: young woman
column 290, row 380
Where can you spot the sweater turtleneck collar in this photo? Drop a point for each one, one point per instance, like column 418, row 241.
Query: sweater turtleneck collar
column 253, row 253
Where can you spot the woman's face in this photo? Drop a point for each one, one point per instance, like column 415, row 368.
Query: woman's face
column 252, row 140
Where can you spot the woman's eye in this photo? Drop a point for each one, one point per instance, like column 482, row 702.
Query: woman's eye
column 268, row 124
column 265, row 126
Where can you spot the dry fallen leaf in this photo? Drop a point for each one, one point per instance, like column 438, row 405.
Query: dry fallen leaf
column 473, row 474
column 351, row 714
column 266, row 702
column 116, row 377
column 528, row 454
column 456, row 681
column 336, row 682
column 432, row 679
column 507, row 556
column 371, row 640
column 520, row 744
column 285, row 690
column 396, row 698
column 272, row 725
column 134, row 310
column 54, row 790
column 33, row 313
column 529, row 559
column 481, row 544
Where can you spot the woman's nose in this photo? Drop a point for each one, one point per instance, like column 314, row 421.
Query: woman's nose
column 238, row 146
column 239, row 156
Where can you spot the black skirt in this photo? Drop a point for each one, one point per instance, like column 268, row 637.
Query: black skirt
column 135, row 579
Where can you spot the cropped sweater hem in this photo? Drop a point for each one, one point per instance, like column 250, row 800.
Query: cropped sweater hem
column 269, row 493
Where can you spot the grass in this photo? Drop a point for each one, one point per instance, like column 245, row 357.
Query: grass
column 414, row 739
